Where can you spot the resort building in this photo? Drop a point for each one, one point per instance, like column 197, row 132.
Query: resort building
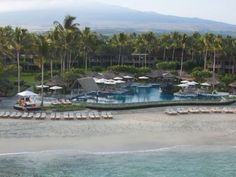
column 225, row 66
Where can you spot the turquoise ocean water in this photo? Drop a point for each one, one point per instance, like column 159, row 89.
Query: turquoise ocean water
column 157, row 163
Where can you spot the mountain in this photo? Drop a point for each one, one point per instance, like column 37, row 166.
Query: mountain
column 109, row 18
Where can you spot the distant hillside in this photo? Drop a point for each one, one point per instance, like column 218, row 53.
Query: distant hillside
column 107, row 18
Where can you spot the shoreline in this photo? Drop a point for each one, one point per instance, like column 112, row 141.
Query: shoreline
column 128, row 131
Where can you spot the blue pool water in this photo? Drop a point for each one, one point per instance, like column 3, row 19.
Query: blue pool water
column 136, row 94
column 192, row 163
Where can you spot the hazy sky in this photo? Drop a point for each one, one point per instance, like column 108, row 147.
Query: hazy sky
column 219, row 10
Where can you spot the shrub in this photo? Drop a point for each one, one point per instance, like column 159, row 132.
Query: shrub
column 201, row 75
column 129, row 69
column 167, row 65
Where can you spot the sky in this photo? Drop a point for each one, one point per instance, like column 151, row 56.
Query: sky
column 218, row 10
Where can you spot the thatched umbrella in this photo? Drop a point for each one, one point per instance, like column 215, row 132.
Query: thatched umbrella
column 155, row 74
column 213, row 81
column 56, row 80
column 233, row 85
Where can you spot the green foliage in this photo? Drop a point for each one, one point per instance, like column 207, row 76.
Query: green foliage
column 63, row 108
column 167, row 65
column 6, row 87
column 97, row 69
column 190, row 65
column 70, row 76
column 201, row 75
column 129, row 69
column 226, row 80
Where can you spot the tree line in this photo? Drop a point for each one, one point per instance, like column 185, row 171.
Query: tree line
column 66, row 44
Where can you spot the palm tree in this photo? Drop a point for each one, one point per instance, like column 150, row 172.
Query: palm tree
column 18, row 43
column 183, row 43
column 207, row 43
column 175, row 39
column 42, row 52
column 88, row 40
column 165, row 43
column 217, row 46
column 65, row 36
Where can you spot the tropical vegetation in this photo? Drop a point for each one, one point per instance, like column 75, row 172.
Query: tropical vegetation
column 67, row 48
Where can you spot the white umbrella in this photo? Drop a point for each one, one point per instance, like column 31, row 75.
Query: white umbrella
column 40, row 86
column 119, row 82
column 109, row 83
column 118, row 78
column 143, row 78
column 55, row 88
column 205, row 84
column 27, row 93
column 184, row 82
column 192, row 83
column 100, row 81
column 183, row 85
column 128, row 77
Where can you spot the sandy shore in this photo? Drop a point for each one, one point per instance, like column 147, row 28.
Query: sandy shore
column 136, row 130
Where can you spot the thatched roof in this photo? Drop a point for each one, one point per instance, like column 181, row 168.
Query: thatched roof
column 213, row 81
column 185, row 76
column 88, row 84
column 56, row 80
column 155, row 74
column 233, row 84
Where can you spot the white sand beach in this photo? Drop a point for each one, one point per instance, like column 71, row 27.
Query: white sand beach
column 136, row 130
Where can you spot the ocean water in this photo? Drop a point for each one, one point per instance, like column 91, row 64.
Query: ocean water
column 155, row 163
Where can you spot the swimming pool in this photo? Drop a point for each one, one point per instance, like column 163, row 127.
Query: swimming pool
column 136, row 93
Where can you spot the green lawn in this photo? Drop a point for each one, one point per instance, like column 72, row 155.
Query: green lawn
column 28, row 78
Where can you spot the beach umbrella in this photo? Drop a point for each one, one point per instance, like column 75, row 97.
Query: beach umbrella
column 118, row 78
column 27, row 93
column 119, row 82
column 42, row 86
column 55, row 88
column 143, row 78
column 184, row 82
column 205, row 84
column 192, row 83
column 183, row 85
column 127, row 77
column 109, row 83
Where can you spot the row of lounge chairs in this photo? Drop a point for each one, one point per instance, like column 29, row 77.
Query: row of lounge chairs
column 195, row 110
column 61, row 102
column 57, row 116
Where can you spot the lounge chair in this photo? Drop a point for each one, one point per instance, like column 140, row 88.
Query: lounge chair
column 56, row 102
column 6, row 115
column 104, row 115
column 52, row 116
column 228, row 110
column 25, row 115
column 78, row 116
column 171, row 112
column 91, row 115
column 37, row 116
column 97, row 116
column 18, row 115
column 58, row 116
column 182, row 111
column 204, row 110
column 84, row 115
column 65, row 116
column 13, row 115
column 1, row 114
column 71, row 116
column 43, row 116
column 30, row 115
column 110, row 116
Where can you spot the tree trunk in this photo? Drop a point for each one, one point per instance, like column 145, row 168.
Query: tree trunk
column 214, row 68
column 42, row 82
column 181, row 63
column 86, row 62
column 205, row 60
column 18, row 68
column 51, row 68
column 173, row 54
column 192, row 55
column 119, row 56
column 164, row 54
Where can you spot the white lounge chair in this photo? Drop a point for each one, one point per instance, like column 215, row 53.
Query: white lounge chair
column 52, row 116
column 71, row 116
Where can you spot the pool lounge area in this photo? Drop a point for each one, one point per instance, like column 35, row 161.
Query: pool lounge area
column 141, row 93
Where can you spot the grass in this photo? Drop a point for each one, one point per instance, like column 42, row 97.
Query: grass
column 64, row 108
column 28, row 78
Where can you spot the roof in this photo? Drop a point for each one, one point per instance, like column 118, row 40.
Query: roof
column 213, row 81
column 232, row 84
column 88, row 84
column 56, row 80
